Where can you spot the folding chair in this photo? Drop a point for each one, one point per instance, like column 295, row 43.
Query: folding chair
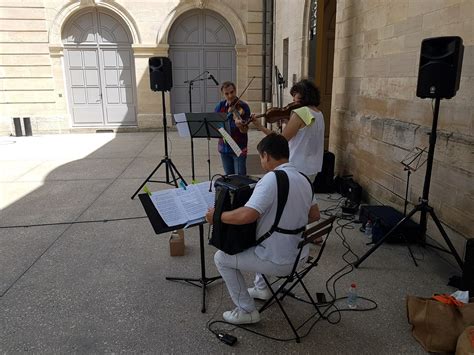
column 296, row 275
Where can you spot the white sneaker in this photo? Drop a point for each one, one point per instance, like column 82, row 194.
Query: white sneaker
column 238, row 316
column 263, row 294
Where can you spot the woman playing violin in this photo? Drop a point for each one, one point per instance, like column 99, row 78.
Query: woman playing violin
column 238, row 113
column 304, row 130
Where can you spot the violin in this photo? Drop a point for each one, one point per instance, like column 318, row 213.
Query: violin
column 237, row 109
column 275, row 114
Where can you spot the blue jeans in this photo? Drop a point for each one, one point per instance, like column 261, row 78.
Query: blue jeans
column 233, row 164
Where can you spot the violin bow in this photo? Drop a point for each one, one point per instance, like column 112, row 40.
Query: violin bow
column 243, row 92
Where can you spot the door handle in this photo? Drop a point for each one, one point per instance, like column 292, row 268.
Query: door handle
column 100, row 98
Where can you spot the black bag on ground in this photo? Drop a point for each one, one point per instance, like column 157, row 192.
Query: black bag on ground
column 384, row 218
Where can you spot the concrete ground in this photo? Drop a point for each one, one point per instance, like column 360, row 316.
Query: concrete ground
column 100, row 287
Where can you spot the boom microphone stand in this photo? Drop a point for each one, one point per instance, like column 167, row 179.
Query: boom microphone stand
column 423, row 207
column 190, row 88
column 170, row 167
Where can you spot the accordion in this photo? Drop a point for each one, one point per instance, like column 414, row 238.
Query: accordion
column 232, row 191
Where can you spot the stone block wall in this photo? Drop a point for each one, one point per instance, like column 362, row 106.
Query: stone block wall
column 27, row 81
column 377, row 118
column 32, row 80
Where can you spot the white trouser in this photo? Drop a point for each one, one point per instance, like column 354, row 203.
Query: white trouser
column 230, row 267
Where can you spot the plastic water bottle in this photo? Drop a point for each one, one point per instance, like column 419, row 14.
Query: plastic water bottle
column 368, row 229
column 352, row 297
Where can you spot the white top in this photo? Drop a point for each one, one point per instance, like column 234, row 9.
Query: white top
column 281, row 248
column 307, row 146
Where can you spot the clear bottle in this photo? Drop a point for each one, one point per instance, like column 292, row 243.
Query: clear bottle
column 352, row 297
column 368, row 229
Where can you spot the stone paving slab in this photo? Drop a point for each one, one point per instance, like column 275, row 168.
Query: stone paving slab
column 100, row 287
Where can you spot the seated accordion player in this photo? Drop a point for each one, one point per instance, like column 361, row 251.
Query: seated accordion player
column 232, row 192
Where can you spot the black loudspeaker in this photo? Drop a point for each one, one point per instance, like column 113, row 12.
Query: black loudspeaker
column 160, row 73
column 324, row 181
column 384, row 218
column 440, row 67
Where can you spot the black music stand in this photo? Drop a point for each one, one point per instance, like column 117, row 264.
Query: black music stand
column 203, row 125
column 159, row 226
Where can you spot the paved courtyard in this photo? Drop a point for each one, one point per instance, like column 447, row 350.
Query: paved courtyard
column 100, row 286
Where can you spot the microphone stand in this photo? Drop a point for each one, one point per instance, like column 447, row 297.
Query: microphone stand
column 190, row 87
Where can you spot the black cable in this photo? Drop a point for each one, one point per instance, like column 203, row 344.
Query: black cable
column 331, row 289
column 71, row 223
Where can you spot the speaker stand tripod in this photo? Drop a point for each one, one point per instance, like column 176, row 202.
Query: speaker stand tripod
column 423, row 207
column 166, row 161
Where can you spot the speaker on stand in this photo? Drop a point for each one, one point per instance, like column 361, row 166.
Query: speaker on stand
column 161, row 80
column 438, row 78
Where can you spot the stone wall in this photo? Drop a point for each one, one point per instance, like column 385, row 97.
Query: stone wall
column 291, row 19
column 377, row 118
column 31, row 53
column 27, row 84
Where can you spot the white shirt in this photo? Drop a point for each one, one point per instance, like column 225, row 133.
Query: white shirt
column 281, row 248
column 307, row 146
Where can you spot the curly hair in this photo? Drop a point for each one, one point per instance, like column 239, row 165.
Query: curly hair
column 310, row 94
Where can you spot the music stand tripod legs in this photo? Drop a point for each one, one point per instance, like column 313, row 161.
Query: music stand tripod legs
column 423, row 206
column 169, row 166
column 203, row 281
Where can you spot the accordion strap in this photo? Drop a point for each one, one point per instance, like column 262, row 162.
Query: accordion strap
column 283, row 186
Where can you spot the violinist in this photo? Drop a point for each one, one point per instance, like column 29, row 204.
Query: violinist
column 304, row 130
column 238, row 114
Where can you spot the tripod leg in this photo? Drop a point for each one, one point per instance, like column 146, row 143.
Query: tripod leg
column 147, row 179
column 390, row 232
column 209, row 157
column 192, row 161
column 173, row 168
column 411, row 253
column 170, row 167
column 446, row 238
column 203, row 267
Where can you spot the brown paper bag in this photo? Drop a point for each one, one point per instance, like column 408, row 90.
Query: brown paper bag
column 465, row 344
column 437, row 326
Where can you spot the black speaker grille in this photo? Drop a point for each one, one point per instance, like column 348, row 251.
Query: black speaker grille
column 160, row 70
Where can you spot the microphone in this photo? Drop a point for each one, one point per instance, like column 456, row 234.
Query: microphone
column 213, row 79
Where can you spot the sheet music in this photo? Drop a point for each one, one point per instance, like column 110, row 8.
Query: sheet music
column 169, row 207
column 230, row 141
column 193, row 203
column 182, row 124
column 179, row 206
column 208, row 196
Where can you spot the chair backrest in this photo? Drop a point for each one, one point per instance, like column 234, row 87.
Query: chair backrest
column 319, row 230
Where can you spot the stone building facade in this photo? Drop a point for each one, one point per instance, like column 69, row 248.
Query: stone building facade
column 377, row 118
column 83, row 65
column 363, row 54
column 374, row 118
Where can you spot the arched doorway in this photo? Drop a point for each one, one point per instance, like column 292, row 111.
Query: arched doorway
column 99, row 70
column 200, row 40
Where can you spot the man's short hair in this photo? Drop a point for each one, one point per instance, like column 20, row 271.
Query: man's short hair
column 227, row 84
column 310, row 94
column 274, row 145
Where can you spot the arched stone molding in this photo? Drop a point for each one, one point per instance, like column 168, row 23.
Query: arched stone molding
column 70, row 9
column 220, row 8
